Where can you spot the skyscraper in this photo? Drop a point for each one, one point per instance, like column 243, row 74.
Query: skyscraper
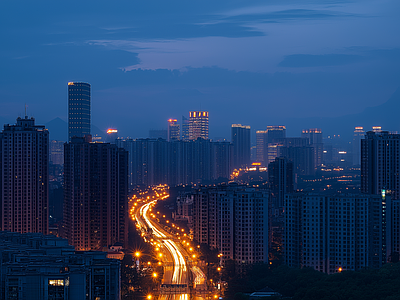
column 95, row 194
column 173, row 130
column 314, row 136
column 241, row 145
column 380, row 163
column 262, row 145
column 356, row 143
column 267, row 146
column 198, row 125
column 24, row 181
column 281, row 180
column 185, row 129
column 78, row 109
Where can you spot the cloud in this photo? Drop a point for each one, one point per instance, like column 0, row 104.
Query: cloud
column 326, row 60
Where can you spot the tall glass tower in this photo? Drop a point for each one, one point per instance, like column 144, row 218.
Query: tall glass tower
column 78, row 109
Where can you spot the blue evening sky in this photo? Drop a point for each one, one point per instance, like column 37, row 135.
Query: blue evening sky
column 255, row 62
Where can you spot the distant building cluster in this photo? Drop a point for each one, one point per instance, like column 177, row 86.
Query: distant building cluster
column 79, row 190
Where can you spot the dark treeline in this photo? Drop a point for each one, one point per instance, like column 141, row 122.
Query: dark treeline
column 308, row 284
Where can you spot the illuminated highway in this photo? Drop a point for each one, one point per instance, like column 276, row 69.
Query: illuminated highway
column 180, row 272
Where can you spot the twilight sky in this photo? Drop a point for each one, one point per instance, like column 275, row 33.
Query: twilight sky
column 255, row 62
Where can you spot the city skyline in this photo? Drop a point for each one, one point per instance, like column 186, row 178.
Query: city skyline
column 240, row 61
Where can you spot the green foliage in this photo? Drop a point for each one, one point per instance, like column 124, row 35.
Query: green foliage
column 308, row 284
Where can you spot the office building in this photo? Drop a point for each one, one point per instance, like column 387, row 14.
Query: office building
column 267, row 143
column 281, row 180
column 57, row 152
column 233, row 219
column 24, row 177
column 198, row 125
column 95, row 194
column 43, row 267
column 79, row 113
column 185, row 129
column 302, row 158
column 112, row 135
column 334, row 233
column 380, row 163
column 356, row 145
column 173, row 130
column 261, row 146
column 240, row 137
column 314, row 136
column 156, row 161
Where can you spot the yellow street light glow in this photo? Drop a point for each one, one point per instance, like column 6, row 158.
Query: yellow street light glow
column 215, row 296
column 219, row 269
column 160, row 254
column 155, row 275
column 149, row 263
column 194, row 256
column 159, row 263
column 149, row 297
column 137, row 254
column 191, row 249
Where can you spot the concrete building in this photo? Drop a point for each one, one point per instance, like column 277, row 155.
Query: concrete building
column 335, row 233
column 198, row 125
column 57, row 152
column 267, row 143
column 240, row 138
column 233, row 219
column 155, row 161
column 79, row 113
column 314, row 136
column 281, row 180
column 380, row 163
column 356, row 145
column 174, row 132
column 42, row 267
column 24, row 177
column 95, row 194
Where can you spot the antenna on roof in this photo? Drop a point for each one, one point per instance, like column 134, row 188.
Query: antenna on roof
column 25, row 110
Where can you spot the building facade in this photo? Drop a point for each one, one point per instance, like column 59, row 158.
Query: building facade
column 24, row 177
column 95, row 194
column 314, row 136
column 233, row 219
column 335, row 233
column 174, row 132
column 380, row 163
column 79, row 113
column 198, row 125
column 43, row 267
column 356, row 145
column 240, row 138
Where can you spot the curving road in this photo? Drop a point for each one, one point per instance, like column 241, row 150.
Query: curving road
column 174, row 257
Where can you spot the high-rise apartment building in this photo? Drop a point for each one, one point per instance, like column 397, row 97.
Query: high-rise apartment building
column 24, row 178
column 240, row 137
column 314, row 136
column 78, row 109
column 174, row 132
column 335, row 233
column 95, row 194
column 380, row 163
column 198, row 125
column 356, row 145
column 233, row 219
